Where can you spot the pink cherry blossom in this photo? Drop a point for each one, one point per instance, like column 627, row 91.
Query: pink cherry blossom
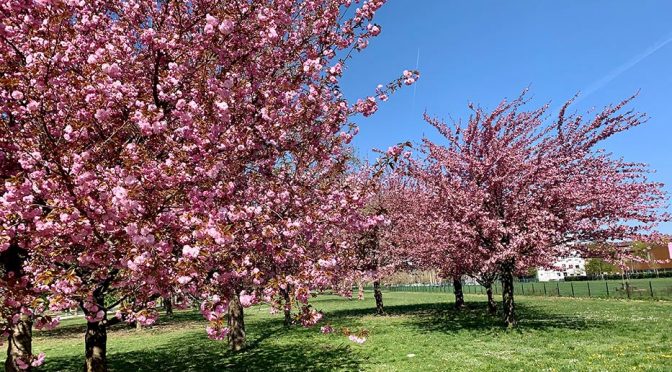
column 39, row 360
column 147, row 150
column 509, row 191
column 190, row 252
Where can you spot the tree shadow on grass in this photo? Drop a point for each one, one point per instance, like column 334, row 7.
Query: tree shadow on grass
column 195, row 352
column 273, row 347
column 443, row 317
column 77, row 326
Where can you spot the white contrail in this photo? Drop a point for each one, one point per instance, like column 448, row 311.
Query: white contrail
column 613, row 74
column 415, row 86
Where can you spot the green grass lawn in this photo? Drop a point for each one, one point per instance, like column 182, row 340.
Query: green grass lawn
column 421, row 333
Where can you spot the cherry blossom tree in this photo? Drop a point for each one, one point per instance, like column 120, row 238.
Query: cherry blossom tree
column 151, row 133
column 22, row 305
column 67, row 118
column 387, row 230
column 290, row 249
column 439, row 241
column 518, row 189
column 331, row 206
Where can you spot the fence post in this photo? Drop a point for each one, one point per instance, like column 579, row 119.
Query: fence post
column 532, row 288
column 588, row 288
column 651, row 288
column 627, row 289
column 572, row 285
column 557, row 285
column 545, row 294
column 607, row 284
column 522, row 288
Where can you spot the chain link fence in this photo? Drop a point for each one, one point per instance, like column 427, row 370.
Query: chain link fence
column 639, row 289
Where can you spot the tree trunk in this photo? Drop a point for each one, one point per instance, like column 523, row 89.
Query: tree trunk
column 378, row 295
column 508, row 306
column 19, row 345
column 287, row 307
column 459, row 295
column 95, row 342
column 236, row 324
column 168, row 305
column 360, row 292
column 492, row 305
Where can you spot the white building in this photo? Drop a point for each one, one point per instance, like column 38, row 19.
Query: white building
column 564, row 267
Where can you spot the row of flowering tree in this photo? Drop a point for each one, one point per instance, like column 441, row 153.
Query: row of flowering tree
column 507, row 191
column 514, row 189
column 159, row 149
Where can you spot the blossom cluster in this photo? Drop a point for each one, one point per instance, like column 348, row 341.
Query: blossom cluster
column 201, row 155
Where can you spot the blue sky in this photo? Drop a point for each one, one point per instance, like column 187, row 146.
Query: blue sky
column 484, row 51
